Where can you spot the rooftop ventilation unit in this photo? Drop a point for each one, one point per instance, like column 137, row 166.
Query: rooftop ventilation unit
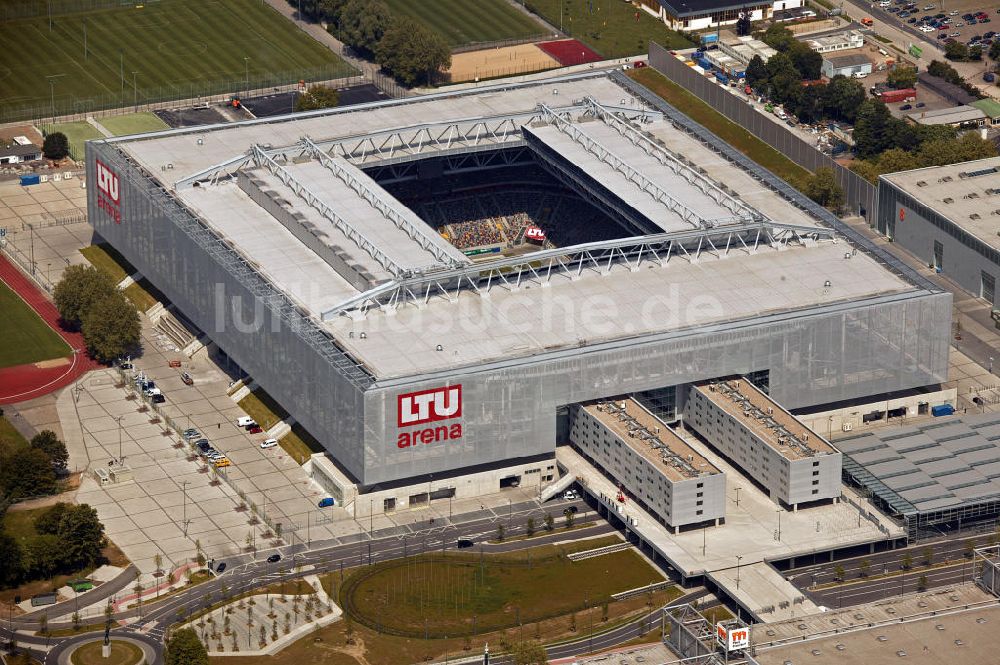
column 979, row 172
column 948, row 200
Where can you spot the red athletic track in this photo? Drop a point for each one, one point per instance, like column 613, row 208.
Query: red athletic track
column 570, row 52
column 24, row 382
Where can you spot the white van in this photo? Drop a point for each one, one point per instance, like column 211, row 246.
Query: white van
column 860, row 75
column 269, row 443
column 245, row 421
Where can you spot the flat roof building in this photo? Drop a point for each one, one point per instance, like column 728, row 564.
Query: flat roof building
column 304, row 247
column 645, row 456
column 947, row 216
column 956, row 116
column 942, row 472
column 769, row 444
column 839, row 42
column 847, row 64
column 700, row 14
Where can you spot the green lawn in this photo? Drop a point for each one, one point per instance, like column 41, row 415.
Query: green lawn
column 104, row 257
column 611, row 29
column 169, row 49
column 9, row 435
column 721, row 126
column 76, row 132
column 463, row 22
column 299, row 444
column 440, row 592
column 132, row 123
column 26, row 338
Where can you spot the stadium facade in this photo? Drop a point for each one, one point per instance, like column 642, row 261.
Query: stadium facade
column 408, row 359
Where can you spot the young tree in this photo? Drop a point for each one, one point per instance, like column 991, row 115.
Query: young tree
column 823, row 188
column 530, row 527
column 363, row 23
column 184, row 648
column 527, row 653
column 111, row 328
column 970, row 548
column 500, row 532
column 568, row 514
column 54, row 449
column 927, row 555
column 549, row 522
column 922, row 583
column 907, row 561
column 80, row 288
column 865, row 567
column 995, row 50
column 902, row 77
column 55, row 146
column 838, row 573
column 412, row 52
column 317, row 97
column 43, row 624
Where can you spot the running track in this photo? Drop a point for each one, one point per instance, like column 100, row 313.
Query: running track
column 24, row 382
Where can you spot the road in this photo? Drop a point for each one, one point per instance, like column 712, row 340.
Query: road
column 857, row 589
column 149, row 623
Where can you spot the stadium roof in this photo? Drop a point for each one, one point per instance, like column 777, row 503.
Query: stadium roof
column 287, row 195
column 944, row 464
column 967, row 194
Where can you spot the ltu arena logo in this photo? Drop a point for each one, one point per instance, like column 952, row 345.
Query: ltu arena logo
column 108, row 195
column 429, row 406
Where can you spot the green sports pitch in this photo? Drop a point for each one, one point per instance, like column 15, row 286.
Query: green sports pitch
column 160, row 50
column 462, row 22
column 26, row 338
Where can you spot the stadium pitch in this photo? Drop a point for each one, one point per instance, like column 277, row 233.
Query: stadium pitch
column 461, row 22
column 166, row 49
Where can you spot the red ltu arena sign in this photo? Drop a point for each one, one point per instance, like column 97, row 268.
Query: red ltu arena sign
column 108, row 194
column 425, row 407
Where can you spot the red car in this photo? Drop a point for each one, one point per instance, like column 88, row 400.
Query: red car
column 255, row 429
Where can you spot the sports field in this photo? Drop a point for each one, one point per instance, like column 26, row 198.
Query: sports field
column 132, row 123
column 613, row 28
column 26, row 338
column 462, row 22
column 78, row 133
column 169, row 49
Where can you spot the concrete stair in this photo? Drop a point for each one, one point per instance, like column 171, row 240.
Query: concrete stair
column 178, row 331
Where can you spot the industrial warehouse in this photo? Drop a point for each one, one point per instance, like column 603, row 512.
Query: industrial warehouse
column 429, row 285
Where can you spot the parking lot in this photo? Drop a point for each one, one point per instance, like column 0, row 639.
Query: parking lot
column 962, row 21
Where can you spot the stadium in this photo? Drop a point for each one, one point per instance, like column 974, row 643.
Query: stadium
column 428, row 284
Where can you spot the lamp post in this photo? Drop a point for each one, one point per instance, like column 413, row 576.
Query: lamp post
column 135, row 93
column 184, row 487
column 120, row 457
column 246, row 74
column 779, row 524
column 52, row 91
column 738, row 559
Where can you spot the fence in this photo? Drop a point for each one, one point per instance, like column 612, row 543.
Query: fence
column 858, row 192
column 140, row 98
column 501, row 43
column 28, row 267
column 11, row 10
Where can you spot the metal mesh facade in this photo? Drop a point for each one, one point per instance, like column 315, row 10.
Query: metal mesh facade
column 819, row 355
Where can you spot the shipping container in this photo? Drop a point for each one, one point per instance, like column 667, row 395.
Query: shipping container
column 942, row 410
column 709, row 38
column 722, row 78
column 892, row 96
column 31, row 179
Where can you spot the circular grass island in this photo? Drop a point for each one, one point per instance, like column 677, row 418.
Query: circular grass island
column 122, row 653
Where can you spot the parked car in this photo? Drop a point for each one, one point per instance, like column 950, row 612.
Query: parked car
column 989, row 77
column 912, row 19
column 328, row 502
column 186, row 378
column 255, row 429
column 221, row 567
column 222, row 463
column 274, row 558
column 191, row 433
column 268, row 443
column 464, row 542
column 921, row 105
column 571, row 495
column 158, row 398
column 79, row 586
column 245, row 421
column 905, row 107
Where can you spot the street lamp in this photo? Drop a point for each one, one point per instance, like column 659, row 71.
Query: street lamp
column 779, row 523
column 246, row 74
column 184, row 487
column 120, row 457
column 135, row 92
column 52, row 91
column 738, row 559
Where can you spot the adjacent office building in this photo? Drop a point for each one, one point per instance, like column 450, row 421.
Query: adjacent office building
column 648, row 459
column 948, row 216
column 792, row 463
